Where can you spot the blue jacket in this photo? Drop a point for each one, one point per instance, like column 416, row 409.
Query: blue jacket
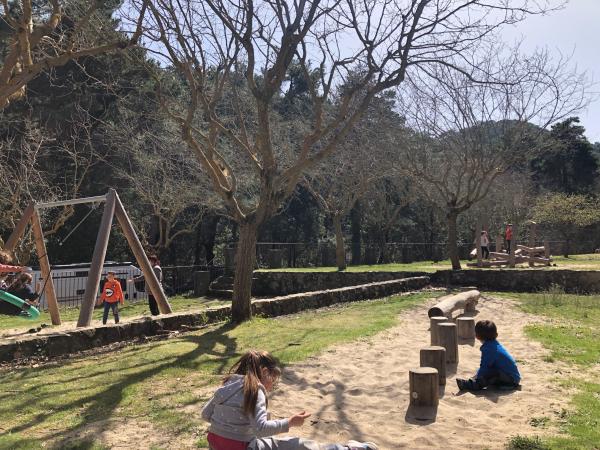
column 495, row 358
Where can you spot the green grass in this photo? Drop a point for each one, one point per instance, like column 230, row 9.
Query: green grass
column 575, row 262
column 572, row 336
column 161, row 381
column 128, row 310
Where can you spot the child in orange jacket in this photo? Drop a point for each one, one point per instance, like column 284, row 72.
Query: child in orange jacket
column 112, row 295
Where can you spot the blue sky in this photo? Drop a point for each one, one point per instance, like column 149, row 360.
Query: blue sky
column 572, row 30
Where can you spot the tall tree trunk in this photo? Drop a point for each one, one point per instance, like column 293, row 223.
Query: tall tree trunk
column 205, row 239
column 340, row 251
column 245, row 258
column 355, row 220
column 452, row 240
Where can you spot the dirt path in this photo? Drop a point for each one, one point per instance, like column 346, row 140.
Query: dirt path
column 360, row 390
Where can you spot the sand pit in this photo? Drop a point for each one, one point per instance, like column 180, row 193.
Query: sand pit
column 360, row 390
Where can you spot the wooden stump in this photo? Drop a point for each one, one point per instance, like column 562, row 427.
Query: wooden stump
column 435, row 356
column 466, row 327
column 449, row 340
column 424, row 386
column 433, row 324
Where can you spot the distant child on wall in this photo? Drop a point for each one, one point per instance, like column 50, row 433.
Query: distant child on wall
column 112, row 295
column 498, row 368
column 238, row 416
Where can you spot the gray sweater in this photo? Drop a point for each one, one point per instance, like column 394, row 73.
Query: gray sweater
column 227, row 419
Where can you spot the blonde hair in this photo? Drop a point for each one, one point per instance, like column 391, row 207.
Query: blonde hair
column 5, row 257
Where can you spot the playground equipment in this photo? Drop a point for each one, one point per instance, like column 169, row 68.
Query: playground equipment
column 112, row 207
column 450, row 303
column 33, row 312
column 519, row 254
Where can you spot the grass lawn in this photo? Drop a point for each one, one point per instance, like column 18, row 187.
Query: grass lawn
column 162, row 382
column 573, row 336
column 575, row 262
column 128, row 310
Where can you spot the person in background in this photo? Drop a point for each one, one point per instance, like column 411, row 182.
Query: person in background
column 508, row 236
column 112, row 295
column 485, row 244
column 21, row 287
column 155, row 263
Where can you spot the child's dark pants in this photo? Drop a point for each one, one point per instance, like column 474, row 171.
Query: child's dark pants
column 499, row 379
column 115, row 309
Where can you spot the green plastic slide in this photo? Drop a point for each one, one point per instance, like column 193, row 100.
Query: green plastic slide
column 31, row 312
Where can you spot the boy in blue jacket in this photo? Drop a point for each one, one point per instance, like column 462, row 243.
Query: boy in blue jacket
column 498, row 368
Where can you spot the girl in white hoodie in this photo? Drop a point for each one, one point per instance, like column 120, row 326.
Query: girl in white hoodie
column 238, row 416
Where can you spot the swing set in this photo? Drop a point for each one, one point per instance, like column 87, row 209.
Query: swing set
column 112, row 208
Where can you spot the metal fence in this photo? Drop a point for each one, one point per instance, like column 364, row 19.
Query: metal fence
column 69, row 286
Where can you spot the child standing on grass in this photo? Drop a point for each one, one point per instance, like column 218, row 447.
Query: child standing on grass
column 112, row 295
column 238, row 416
column 498, row 368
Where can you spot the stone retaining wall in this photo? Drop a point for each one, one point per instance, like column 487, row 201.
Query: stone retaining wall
column 266, row 284
column 521, row 280
column 61, row 343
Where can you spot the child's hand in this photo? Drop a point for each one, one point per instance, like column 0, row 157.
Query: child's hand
column 297, row 420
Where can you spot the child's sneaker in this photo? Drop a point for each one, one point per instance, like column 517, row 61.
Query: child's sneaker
column 462, row 384
column 355, row 445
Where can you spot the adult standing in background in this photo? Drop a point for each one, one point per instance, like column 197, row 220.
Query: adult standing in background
column 508, row 236
column 485, row 242
column 155, row 262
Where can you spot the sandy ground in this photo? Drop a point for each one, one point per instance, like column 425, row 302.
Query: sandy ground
column 360, row 390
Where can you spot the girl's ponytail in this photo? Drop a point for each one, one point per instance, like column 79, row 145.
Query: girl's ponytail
column 250, row 366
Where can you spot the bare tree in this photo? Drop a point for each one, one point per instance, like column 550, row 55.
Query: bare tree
column 38, row 167
column 221, row 47
column 364, row 157
column 469, row 133
column 47, row 34
column 166, row 181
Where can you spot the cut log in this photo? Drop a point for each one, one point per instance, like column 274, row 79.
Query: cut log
column 449, row 340
column 530, row 250
column 433, row 328
column 490, row 263
column 450, row 303
column 435, row 356
column 466, row 327
column 424, row 386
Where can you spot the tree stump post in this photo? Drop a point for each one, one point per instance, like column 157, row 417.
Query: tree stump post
column 499, row 240
column 435, row 356
column 547, row 251
column 449, row 340
column 532, row 237
column 424, row 386
column 466, row 327
column 513, row 247
column 433, row 328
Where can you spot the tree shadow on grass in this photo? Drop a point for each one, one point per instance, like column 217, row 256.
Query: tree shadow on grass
column 102, row 405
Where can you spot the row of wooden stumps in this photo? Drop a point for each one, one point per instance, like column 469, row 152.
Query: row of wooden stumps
column 424, row 381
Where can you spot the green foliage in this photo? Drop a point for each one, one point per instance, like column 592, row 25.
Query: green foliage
column 568, row 163
column 565, row 211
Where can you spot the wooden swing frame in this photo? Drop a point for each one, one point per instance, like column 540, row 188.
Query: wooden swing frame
column 112, row 207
